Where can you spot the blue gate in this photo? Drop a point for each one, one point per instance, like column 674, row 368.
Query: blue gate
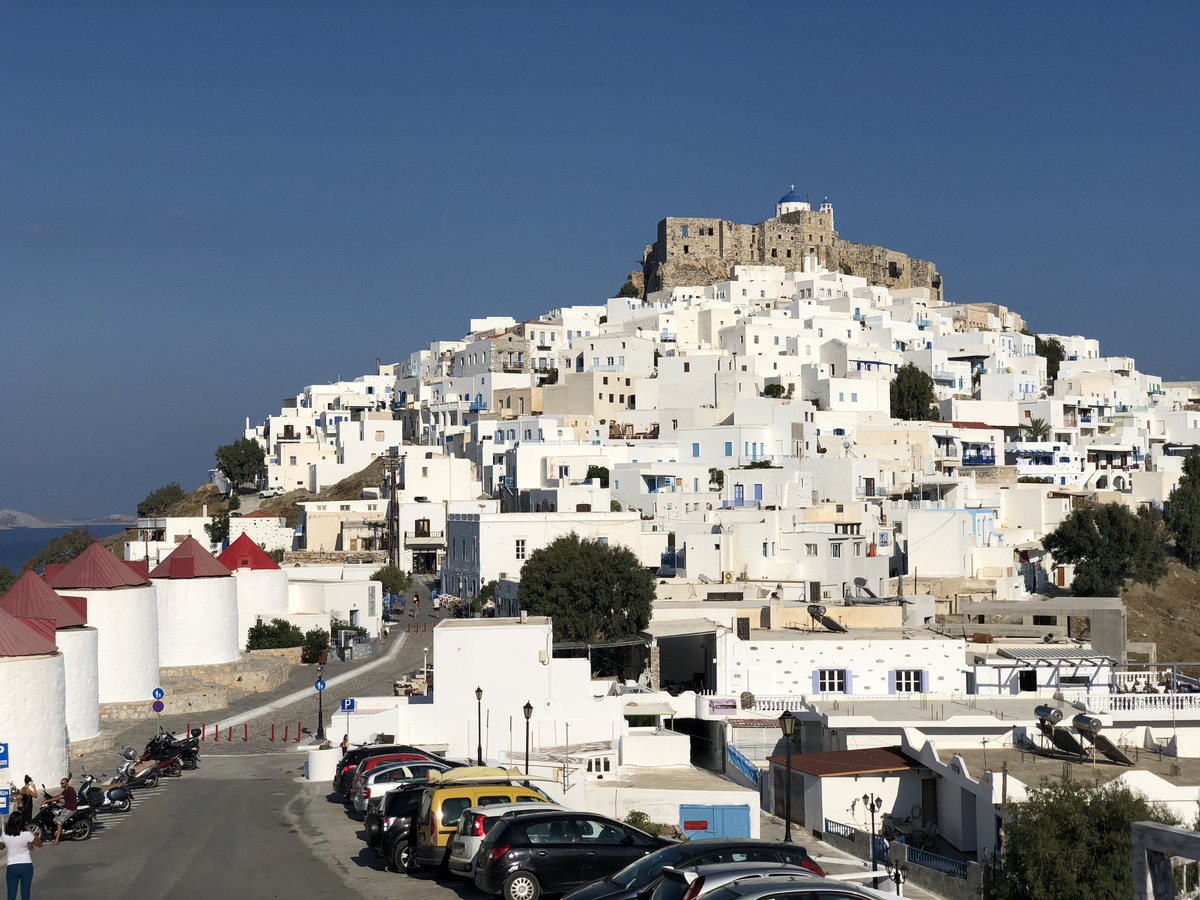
column 714, row 821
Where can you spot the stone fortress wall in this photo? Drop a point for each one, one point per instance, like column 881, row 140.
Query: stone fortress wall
column 699, row 251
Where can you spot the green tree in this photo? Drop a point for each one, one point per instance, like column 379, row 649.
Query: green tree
column 394, row 580
column 1071, row 841
column 487, row 594
column 1104, row 542
column 716, row 479
column 158, row 502
column 629, row 289
column 594, row 591
column 315, row 643
column 912, row 394
column 240, row 461
column 7, row 579
column 774, row 390
column 1052, row 349
column 600, row 472
column 1036, row 429
column 218, row 529
column 1184, row 512
column 61, row 549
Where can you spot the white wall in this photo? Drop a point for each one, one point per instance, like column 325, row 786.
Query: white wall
column 126, row 620
column 79, row 647
column 197, row 621
column 33, row 716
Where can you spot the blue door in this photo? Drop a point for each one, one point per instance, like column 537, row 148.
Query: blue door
column 758, row 493
column 739, row 495
column 699, row 822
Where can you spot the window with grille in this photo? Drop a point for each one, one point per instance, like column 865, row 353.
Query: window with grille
column 908, row 681
column 832, row 681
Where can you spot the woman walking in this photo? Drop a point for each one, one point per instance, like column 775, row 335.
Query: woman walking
column 18, row 843
column 29, row 795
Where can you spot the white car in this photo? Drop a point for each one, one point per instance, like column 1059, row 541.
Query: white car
column 271, row 492
column 473, row 826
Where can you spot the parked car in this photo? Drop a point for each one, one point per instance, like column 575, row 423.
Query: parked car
column 643, row 875
column 349, row 762
column 388, row 828
column 366, row 766
column 371, row 786
column 794, row 887
column 525, row 856
column 694, row 882
column 475, row 823
column 271, row 492
column 454, row 793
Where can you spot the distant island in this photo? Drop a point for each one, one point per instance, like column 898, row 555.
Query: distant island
column 14, row 518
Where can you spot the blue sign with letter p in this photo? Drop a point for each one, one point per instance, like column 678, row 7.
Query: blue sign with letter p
column 348, row 705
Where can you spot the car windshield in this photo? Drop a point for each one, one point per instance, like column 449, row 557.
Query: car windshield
column 648, row 868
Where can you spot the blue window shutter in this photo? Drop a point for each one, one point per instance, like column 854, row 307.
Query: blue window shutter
column 924, row 682
column 816, row 681
column 892, row 681
column 849, row 682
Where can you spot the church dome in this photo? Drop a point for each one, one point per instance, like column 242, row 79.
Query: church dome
column 792, row 197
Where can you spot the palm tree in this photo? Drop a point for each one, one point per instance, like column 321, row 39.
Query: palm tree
column 1036, row 429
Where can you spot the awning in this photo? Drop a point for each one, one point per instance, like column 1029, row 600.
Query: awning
column 649, row 708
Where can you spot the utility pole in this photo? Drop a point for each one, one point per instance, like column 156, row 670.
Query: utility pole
column 394, row 466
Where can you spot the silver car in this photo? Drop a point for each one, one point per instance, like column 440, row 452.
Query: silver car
column 795, row 887
column 370, row 789
column 695, row 881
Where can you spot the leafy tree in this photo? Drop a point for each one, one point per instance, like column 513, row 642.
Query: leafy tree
column 235, row 502
column 7, row 579
column 394, row 580
column 1104, row 542
column 1071, row 841
column 1036, row 429
column 1054, row 352
column 277, row 554
column 240, row 461
column 218, row 529
column 614, row 505
column 61, row 549
column 277, row 634
column 759, row 464
column 912, row 394
column 629, row 289
column 594, row 591
column 158, row 502
column 487, row 594
column 315, row 643
column 1184, row 512
column 774, row 390
column 716, row 479
column 600, row 472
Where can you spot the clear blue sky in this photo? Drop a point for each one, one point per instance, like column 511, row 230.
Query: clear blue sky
column 206, row 206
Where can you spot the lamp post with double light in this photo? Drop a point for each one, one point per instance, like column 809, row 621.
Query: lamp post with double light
column 787, row 724
column 479, row 725
column 528, row 710
column 874, row 804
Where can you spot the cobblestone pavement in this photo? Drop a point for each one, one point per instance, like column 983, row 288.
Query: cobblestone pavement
column 408, row 658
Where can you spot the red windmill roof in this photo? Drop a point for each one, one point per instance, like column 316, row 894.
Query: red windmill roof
column 94, row 569
column 245, row 554
column 189, row 560
column 30, row 598
column 26, row 637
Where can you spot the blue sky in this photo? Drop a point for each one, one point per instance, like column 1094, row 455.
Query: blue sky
column 207, row 206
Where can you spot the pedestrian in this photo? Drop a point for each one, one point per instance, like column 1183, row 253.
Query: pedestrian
column 29, row 794
column 416, row 606
column 437, row 607
column 70, row 803
column 345, row 745
column 18, row 842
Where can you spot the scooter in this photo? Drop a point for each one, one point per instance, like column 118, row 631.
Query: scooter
column 162, row 750
column 188, row 748
column 134, row 773
column 78, row 826
column 112, row 796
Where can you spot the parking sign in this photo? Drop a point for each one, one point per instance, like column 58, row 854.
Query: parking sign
column 347, row 705
column 3, row 801
column 3, row 756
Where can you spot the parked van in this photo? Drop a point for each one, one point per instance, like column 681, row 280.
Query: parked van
column 452, row 793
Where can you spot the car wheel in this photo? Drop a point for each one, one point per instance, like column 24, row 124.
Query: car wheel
column 402, row 857
column 521, row 886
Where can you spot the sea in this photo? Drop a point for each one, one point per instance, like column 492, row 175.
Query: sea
column 18, row 544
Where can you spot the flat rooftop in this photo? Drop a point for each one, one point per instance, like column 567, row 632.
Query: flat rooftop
column 1031, row 768
column 501, row 622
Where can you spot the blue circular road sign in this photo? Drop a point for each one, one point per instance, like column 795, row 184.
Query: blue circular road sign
column 158, row 706
column 320, row 685
column 158, row 694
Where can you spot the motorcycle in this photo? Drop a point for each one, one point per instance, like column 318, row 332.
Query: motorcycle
column 163, row 750
column 78, row 826
column 114, row 795
column 133, row 773
column 188, row 748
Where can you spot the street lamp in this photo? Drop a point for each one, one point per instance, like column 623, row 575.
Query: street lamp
column 787, row 724
column 528, row 710
column 479, row 727
column 320, row 703
column 898, row 872
column 874, row 804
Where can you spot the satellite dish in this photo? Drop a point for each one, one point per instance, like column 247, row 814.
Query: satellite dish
column 845, row 445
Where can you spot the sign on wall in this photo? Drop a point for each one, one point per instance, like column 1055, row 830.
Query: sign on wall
column 722, row 707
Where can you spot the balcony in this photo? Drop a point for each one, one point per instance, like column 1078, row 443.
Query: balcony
column 424, row 539
column 667, row 337
column 616, row 367
column 479, row 406
column 979, row 460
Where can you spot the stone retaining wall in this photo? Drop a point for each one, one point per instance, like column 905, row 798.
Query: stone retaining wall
column 291, row 654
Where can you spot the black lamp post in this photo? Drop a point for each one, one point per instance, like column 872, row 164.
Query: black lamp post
column 528, row 710
column 479, row 733
column 898, row 872
column 320, row 705
column 787, row 724
column 874, row 804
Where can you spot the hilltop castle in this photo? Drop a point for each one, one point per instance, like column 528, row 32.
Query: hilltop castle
column 702, row 251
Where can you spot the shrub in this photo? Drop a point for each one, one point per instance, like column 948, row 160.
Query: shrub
column 337, row 626
column 643, row 822
column 316, row 642
column 279, row 634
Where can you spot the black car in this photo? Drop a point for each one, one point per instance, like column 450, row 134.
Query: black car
column 398, row 803
column 395, row 839
column 552, row 852
column 641, row 877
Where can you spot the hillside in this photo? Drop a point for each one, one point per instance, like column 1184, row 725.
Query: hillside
column 1169, row 615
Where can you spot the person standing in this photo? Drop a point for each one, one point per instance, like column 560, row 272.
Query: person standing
column 28, row 801
column 18, row 842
